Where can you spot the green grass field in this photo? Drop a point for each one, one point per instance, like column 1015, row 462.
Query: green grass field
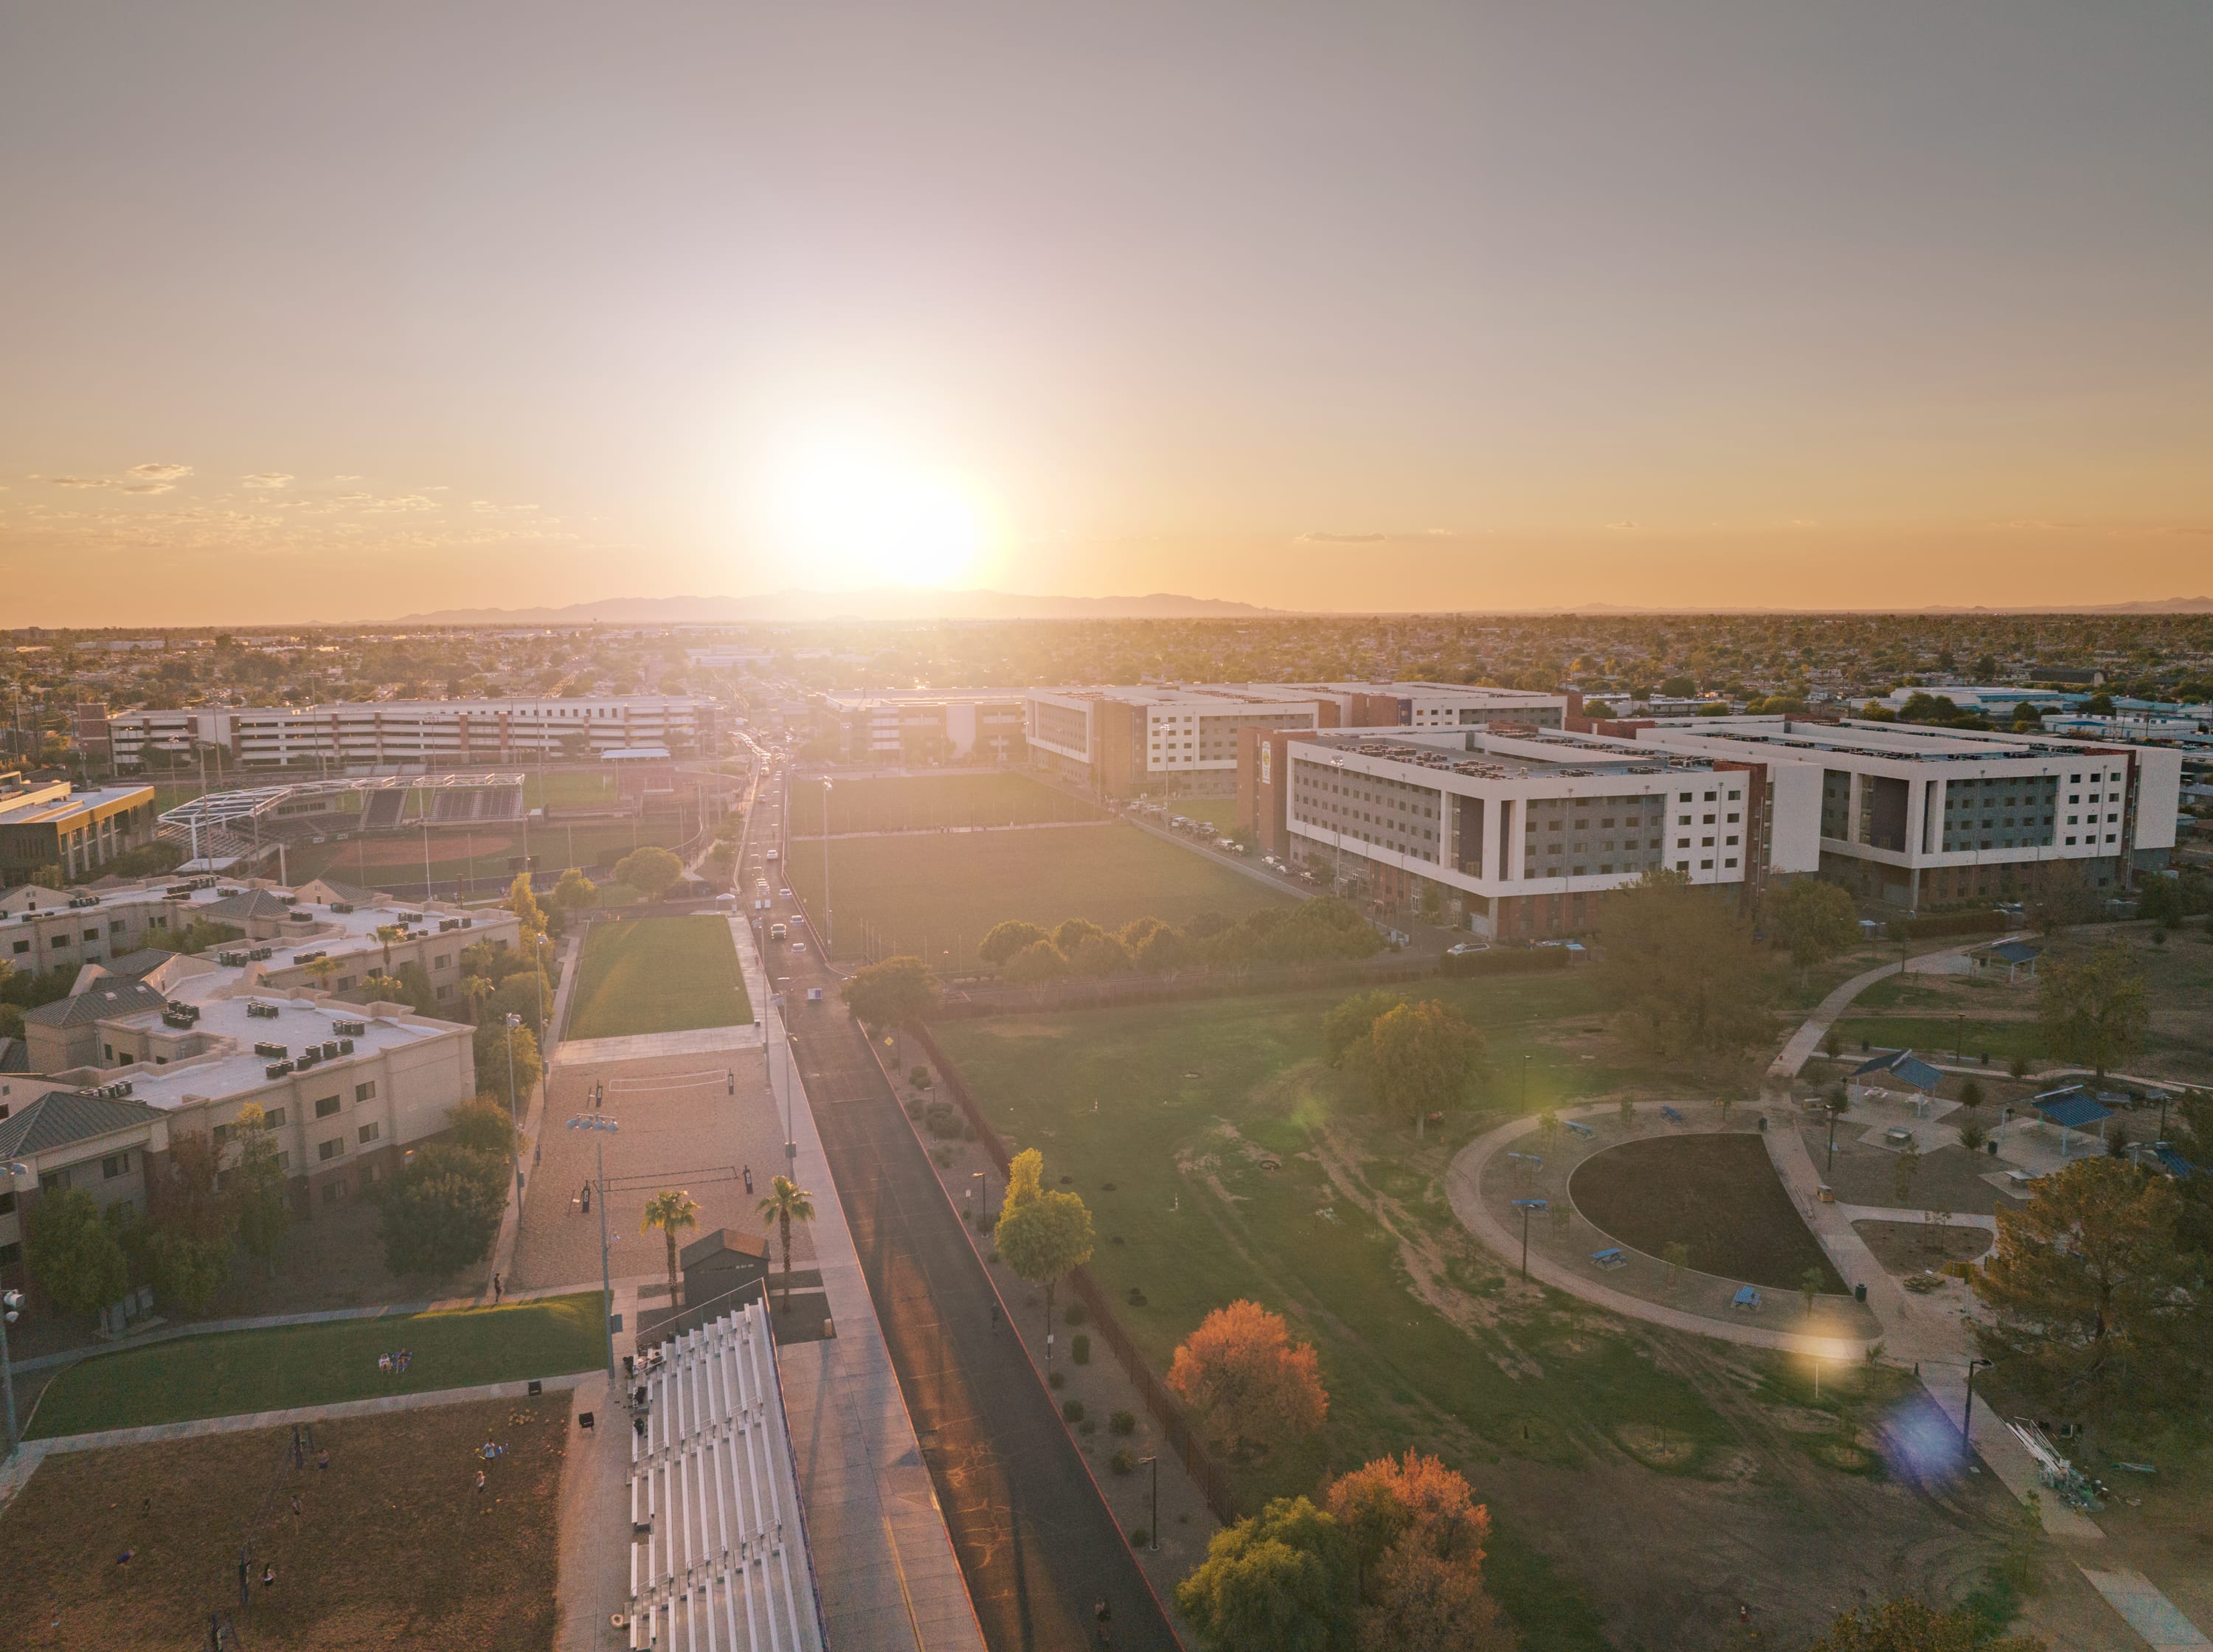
column 945, row 891
column 657, row 975
column 917, row 802
column 243, row 1371
column 567, row 789
column 1189, row 1099
column 482, row 852
column 1934, row 1038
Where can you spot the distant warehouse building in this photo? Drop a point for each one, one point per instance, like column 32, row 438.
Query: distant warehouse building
column 1523, row 833
column 1125, row 741
column 432, row 733
column 920, row 727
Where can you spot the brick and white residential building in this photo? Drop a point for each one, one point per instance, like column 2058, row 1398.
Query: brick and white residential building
column 365, row 737
column 1124, row 742
column 920, row 726
column 1522, row 831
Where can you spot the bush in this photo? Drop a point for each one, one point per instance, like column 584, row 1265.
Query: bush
column 1136, row 1298
column 941, row 1157
column 1079, row 1348
column 1057, row 1379
column 918, row 1076
column 1123, row 1462
column 1074, row 1313
column 1071, row 1411
column 1123, row 1421
column 1139, row 1537
column 943, row 1118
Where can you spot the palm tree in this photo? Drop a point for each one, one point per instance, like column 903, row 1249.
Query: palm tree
column 476, row 989
column 389, row 933
column 787, row 1202
column 320, row 971
column 671, row 1213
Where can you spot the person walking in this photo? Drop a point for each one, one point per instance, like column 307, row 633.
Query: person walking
column 588, row 1198
column 749, row 1181
column 1104, row 1616
column 730, row 1076
column 497, row 1289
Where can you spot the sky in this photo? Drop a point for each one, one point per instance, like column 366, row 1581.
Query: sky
column 333, row 313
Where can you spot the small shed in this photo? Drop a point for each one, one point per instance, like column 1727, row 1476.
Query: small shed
column 718, row 1263
column 1900, row 1073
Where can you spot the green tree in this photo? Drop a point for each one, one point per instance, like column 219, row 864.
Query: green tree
column 2093, row 1012
column 1813, row 921
column 575, row 893
column 2064, row 898
column 1425, row 1059
column 1352, row 1023
column 650, row 870
column 897, row 992
column 443, row 1211
column 73, row 1254
column 482, row 1125
column 522, row 901
column 1683, row 970
column 1907, row 1625
column 672, row 1212
column 1275, row 1582
column 1038, row 961
column 2093, row 1297
column 494, row 1039
column 1417, row 1534
column 1002, row 941
column 787, row 1202
column 1099, row 954
column 188, row 1240
column 1044, row 1235
column 257, row 1184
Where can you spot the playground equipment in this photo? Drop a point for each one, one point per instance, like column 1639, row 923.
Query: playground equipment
column 2054, row 1472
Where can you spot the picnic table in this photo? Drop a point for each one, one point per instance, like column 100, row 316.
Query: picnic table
column 1609, row 1258
column 1578, row 1127
column 1671, row 1116
column 1745, row 1298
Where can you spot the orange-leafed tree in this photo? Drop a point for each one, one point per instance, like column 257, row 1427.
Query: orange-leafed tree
column 1416, row 1533
column 1246, row 1380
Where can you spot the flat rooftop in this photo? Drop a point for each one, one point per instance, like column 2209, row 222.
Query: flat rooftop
column 36, row 805
column 1486, row 753
column 296, row 1024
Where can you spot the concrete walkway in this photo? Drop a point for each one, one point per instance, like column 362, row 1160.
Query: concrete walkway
column 1463, row 1184
column 1799, row 1048
column 644, row 1046
column 2150, row 1613
column 1889, row 1213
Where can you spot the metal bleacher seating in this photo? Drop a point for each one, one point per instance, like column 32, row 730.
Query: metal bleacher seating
column 383, row 809
column 718, row 1555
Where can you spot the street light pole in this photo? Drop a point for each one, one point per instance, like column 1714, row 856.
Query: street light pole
column 1153, row 1531
column 829, row 919
column 11, row 1303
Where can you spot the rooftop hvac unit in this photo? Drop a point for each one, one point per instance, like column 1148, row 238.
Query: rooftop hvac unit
column 269, row 1052
column 308, row 1057
column 342, row 905
column 278, row 1069
column 303, row 917
column 468, row 923
column 226, row 894
column 350, row 1028
column 230, row 959
column 260, row 952
column 345, row 1046
column 446, row 923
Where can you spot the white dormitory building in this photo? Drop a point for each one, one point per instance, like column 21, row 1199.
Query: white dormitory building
column 1127, row 742
column 1523, row 833
column 370, row 736
column 152, row 1041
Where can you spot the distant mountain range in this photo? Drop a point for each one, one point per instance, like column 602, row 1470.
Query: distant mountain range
column 886, row 602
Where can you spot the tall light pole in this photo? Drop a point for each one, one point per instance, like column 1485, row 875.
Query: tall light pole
column 829, row 922
column 1526, row 1206
column 600, row 1122
column 1153, row 1531
column 514, row 1115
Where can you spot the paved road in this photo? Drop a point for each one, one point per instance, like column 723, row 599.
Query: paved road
column 1038, row 1546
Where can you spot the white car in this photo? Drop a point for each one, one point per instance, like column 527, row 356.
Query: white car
column 783, row 894
column 799, row 946
column 1466, row 947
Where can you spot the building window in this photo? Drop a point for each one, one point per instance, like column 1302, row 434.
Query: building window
column 114, row 1165
column 331, row 1150
column 274, row 1117
column 365, row 1092
column 325, row 1105
column 334, row 1191
column 11, row 1255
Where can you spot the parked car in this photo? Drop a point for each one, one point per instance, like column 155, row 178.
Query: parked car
column 1464, row 947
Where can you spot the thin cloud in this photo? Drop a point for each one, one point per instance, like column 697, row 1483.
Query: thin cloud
column 1624, row 528
column 139, row 479
column 1343, row 539
column 267, row 479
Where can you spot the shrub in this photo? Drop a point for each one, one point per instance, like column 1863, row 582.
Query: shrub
column 1139, row 1537
column 942, row 1118
column 1074, row 1313
column 1971, row 1093
column 914, row 1111
column 1123, row 1421
column 941, row 1157
column 1071, row 1411
column 1087, row 1427
column 1079, row 1348
column 918, row 1076
column 1057, row 1379
column 1136, row 1298
column 1123, row 1462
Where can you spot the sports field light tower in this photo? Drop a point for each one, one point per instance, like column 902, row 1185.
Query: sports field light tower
column 11, row 1305
column 600, row 1123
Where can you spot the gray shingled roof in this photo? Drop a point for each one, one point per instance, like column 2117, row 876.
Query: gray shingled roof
column 141, row 963
column 60, row 1117
column 106, row 996
column 250, row 903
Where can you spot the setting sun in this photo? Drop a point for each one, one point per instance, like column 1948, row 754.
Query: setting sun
column 859, row 519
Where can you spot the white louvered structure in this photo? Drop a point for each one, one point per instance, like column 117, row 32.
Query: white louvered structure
column 718, row 1557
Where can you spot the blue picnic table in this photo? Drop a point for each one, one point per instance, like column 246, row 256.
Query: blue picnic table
column 1609, row 1258
column 1671, row 1116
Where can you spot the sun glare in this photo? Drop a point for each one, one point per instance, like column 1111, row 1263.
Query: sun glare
column 857, row 520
